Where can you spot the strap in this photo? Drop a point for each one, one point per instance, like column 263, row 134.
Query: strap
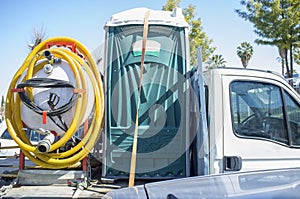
column 44, row 117
column 135, row 136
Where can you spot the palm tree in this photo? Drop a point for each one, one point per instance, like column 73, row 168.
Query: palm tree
column 216, row 61
column 282, row 52
column 38, row 37
column 2, row 108
column 297, row 55
column 245, row 52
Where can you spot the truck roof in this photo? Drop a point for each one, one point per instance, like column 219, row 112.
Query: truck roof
column 159, row 17
column 245, row 72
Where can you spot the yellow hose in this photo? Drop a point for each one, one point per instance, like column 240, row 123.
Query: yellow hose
column 53, row 159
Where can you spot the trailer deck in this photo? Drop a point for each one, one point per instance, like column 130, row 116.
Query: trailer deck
column 54, row 184
column 55, row 191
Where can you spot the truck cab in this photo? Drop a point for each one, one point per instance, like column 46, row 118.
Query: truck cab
column 253, row 120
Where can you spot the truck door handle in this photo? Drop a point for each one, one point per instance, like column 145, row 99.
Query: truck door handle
column 232, row 163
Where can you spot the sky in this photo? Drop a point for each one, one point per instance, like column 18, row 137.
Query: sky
column 84, row 21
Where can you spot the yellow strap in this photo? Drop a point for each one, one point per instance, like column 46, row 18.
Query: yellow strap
column 134, row 145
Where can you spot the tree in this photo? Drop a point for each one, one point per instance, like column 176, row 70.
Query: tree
column 37, row 38
column 282, row 53
column 277, row 23
column 2, row 101
column 2, row 108
column 197, row 36
column 171, row 4
column 297, row 55
column 216, row 61
column 245, row 52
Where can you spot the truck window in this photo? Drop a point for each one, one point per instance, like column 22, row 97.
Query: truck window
column 293, row 114
column 257, row 111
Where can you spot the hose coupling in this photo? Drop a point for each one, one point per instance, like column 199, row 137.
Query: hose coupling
column 44, row 145
column 48, row 55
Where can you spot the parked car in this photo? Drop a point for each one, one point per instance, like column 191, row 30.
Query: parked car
column 296, row 80
column 267, row 184
column 5, row 141
column 9, row 158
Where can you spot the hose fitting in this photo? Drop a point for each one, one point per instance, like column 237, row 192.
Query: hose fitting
column 51, row 58
column 44, row 145
column 48, row 68
column 48, row 55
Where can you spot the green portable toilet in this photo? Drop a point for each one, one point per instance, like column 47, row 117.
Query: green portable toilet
column 163, row 129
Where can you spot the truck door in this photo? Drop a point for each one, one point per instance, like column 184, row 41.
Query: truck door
column 261, row 125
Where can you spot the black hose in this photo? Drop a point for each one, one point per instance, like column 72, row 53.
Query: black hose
column 46, row 83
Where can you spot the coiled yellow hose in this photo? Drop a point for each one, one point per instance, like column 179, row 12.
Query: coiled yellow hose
column 54, row 159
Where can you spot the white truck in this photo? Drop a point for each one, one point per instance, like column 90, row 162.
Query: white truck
column 227, row 119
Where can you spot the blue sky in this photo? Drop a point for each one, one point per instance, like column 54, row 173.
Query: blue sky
column 84, row 21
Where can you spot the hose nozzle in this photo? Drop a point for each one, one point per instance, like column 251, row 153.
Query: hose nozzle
column 44, row 145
